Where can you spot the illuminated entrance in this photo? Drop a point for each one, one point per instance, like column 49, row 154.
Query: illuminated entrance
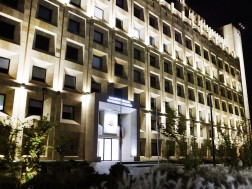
column 117, row 121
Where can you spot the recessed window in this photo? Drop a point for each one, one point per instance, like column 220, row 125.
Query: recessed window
column 118, row 46
column 45, row 13
column 72, row 53
column 166, row 30
column 35, row 107
column 68, row 112
column 217, row 104
column 152, row 61
column 138, row 12
column 188, row 43
column 11, row 3
column 2, row 102
column 168, row 86
column 213, row 59
column 199, row 81
column 191, row 94
column 153, row 81
column 120, row 3
column 197, row 49
column 230, row 108
column 98, row 13
column 76, row 2
column 153, row 103
column 200, row 98
column 119, row 23
column 224, row 107
column 137, row 54
column 179, row 72
column 98, row 37
column 118, row 92
column 97, row 62
column 180, row 90
column 153, row 22
column 118, row 69
column 136, row 33
column 42, row 43
column 227, row 68
column 95, row 87
column 206, row 56
column 178, row 37
column 168, row 66
column 236, row 111
column 74, row 27
column 38, row 74
column 152, row 41
column 208, row 85
column 70, row 82
column 137, row 76
column 7, row 30
column 190, row 77
column 4, row 65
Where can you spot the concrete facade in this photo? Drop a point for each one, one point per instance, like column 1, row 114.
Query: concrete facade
column 154, row 53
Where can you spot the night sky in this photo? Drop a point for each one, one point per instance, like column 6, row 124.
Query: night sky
column 218, row 13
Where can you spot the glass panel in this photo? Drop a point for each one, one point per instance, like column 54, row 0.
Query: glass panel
column 97, row 62
column 115, row 147
column 38, row 74
column 4, row 65
column 136, row 33
column 100, row 148
column 73, row 26
column 70, row 81
column 2, row 97
column 35, row 107
column 107, row 149
column 98, row 13
column 68, row 112
column 45, row 13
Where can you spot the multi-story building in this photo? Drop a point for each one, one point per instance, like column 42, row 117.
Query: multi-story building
column 101, row 69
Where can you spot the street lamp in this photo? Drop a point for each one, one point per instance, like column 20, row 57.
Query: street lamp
column 211, row 112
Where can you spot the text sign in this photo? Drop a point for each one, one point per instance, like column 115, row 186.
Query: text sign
column 119, row 101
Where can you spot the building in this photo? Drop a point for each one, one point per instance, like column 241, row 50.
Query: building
column 103, row 68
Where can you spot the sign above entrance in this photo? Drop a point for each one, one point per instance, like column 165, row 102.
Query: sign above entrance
column 119, row 101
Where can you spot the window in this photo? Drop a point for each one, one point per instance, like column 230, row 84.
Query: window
column 119, row 23
column 168, row 86
column 70, row 82
column 168, row 67
column 98, row 37
column 45, row 14
column 95, row 87
column 213, row 59
column 201, row 99
column 152, row 61
column 179, row 72
column 152, row 22
column 137, row 54
column 136, row 33
column 137, row 76
column 2, row 102
column 11, row 3
column 138, row 12
column 235, row 97
column 97, row 62
column 35, row 107
column 191, row 94
column 118, row 92
column 180, row 91
column 118, row 46
column 42, row 43
column 236, row 110
column 98, row 13
column 232, row 71
column 38, row 74
column 152, row 41
column 216, row 89
column 227, row 68
column 153, row 103
column 178, row 37
column 229, row 95
column 76, row 2
column 208, row 85
column 190, row 78
column 154, row 148
column 74, row 27
column 72, row 53
column 220, row 63
column 199, row 81
column 120, row 3
column 68, row 112
column 224, row 108
column 4, row 65
column 166, row 30
column 230, row 108
column 197, row 49
column 242, row 112
column 223, row 92
column 217, row 105
column 153, row 81
column 206, row 56
column 118, row 69
column 188, row 43
column 7, row 30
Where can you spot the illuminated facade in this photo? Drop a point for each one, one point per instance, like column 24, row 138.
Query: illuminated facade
column 100, row 68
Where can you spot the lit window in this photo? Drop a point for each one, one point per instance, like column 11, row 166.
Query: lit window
column 95, row 87
column 136, row 33
column 70, row 82
column 68, row 112
column 35, row 107
column 98, row 13
column 2, row 101
column 72, row 53
column 4, row 65
column 45, row 13
column 38, row 74
column 97, row 62
column 98, row 37
column 74, row 27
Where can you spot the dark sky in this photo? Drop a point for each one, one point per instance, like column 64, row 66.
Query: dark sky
column 218, row 13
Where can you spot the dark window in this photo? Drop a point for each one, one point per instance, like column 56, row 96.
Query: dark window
column 216, row 90
column 236, row 111
column 120, row 3
column 137, row 12
column 44, row 13
column 68, row 112
column 230, row 108
column 168, row 67
column 142, row 147
column 2, row 102
column 153, row 124
column 74, row 27
column 217, row 105
column 153, row 81
column 137, row 76
column 72, row 53
column 152, row 61
column 70, row 82
column 232, row 71
column 178, row 37
column 168, row 87
column 179, row 72
column 97, row 62
column 242, row 112
column 188, row 43
column 213, row 59
column 201, row 99
column 224, row 108
column 4, row 65
column 191, row 94
column 197, row 49
column 38, row 74
column 137, row 54
column 180, row 91
column 76, row 2
column 42, row 43
column 137, row 98
column 152, row 22
column 208, row 85
column 166, row 30
column 221, row 78
column 220, row 64
column 223, row 93
column 153, row 103
column 190, row 77
column 235, row 97
column 119, row 23
column 118, row 69
column 118, row 46
column 199, row 81
column 95, row 87
column 7, row 30
column 227, row 68
column 11, row 3
column 98, row 37
column 35, row 107
column 229, row 95
column 118, row 92
column 206, row 56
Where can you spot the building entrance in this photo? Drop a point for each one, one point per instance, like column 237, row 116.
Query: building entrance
column 108, row 149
